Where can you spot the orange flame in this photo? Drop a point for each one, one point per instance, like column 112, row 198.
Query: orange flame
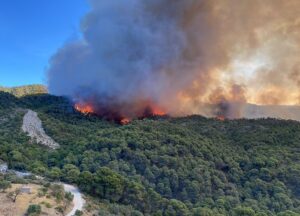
column 141, row 111
column 125, row 121
column 84, row 108
column 156, row 111
column 220, row 118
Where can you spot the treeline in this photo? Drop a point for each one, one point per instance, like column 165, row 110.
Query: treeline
column 167, row 166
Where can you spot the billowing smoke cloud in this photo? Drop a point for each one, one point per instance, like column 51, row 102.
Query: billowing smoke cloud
column 182, row 55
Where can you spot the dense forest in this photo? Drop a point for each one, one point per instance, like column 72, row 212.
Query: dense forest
column 161, row 165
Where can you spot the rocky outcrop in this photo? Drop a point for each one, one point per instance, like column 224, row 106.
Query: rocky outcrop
column 32, row 125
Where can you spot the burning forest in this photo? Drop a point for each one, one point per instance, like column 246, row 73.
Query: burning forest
column 223, row 59
column 122, row 113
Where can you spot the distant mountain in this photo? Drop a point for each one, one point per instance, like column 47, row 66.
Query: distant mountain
column 25, row 90
column 251, row 111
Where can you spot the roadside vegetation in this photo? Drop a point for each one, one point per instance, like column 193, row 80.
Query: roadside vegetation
column 32, row 196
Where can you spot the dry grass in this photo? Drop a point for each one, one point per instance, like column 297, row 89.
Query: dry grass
column 19, row 208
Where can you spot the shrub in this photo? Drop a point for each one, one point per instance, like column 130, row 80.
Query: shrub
column 34, row 210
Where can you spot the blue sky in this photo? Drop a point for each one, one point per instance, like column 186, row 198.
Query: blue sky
column 30, row 33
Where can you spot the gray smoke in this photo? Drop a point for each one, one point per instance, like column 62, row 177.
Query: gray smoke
column 127, row 54
column 177, row 53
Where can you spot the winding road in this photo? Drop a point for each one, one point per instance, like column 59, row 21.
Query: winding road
column 78, row 201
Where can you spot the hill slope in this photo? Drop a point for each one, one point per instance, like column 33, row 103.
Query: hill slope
column 25, row 90
column 161, row 166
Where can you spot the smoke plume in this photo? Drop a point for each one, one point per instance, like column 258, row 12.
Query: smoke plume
column 205, row 57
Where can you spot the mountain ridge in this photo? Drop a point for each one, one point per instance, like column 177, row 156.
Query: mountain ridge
column 24, row 90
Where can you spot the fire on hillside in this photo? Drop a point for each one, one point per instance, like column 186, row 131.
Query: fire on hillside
column 120, row 114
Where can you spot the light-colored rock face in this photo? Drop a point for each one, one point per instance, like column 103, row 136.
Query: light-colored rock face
column 3, row 168
column 32, row 125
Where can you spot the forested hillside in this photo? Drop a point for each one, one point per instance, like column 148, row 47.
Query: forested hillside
column 25, row 90
column 161, row 166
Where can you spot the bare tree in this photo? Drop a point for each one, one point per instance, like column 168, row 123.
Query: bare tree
column 14, row 194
